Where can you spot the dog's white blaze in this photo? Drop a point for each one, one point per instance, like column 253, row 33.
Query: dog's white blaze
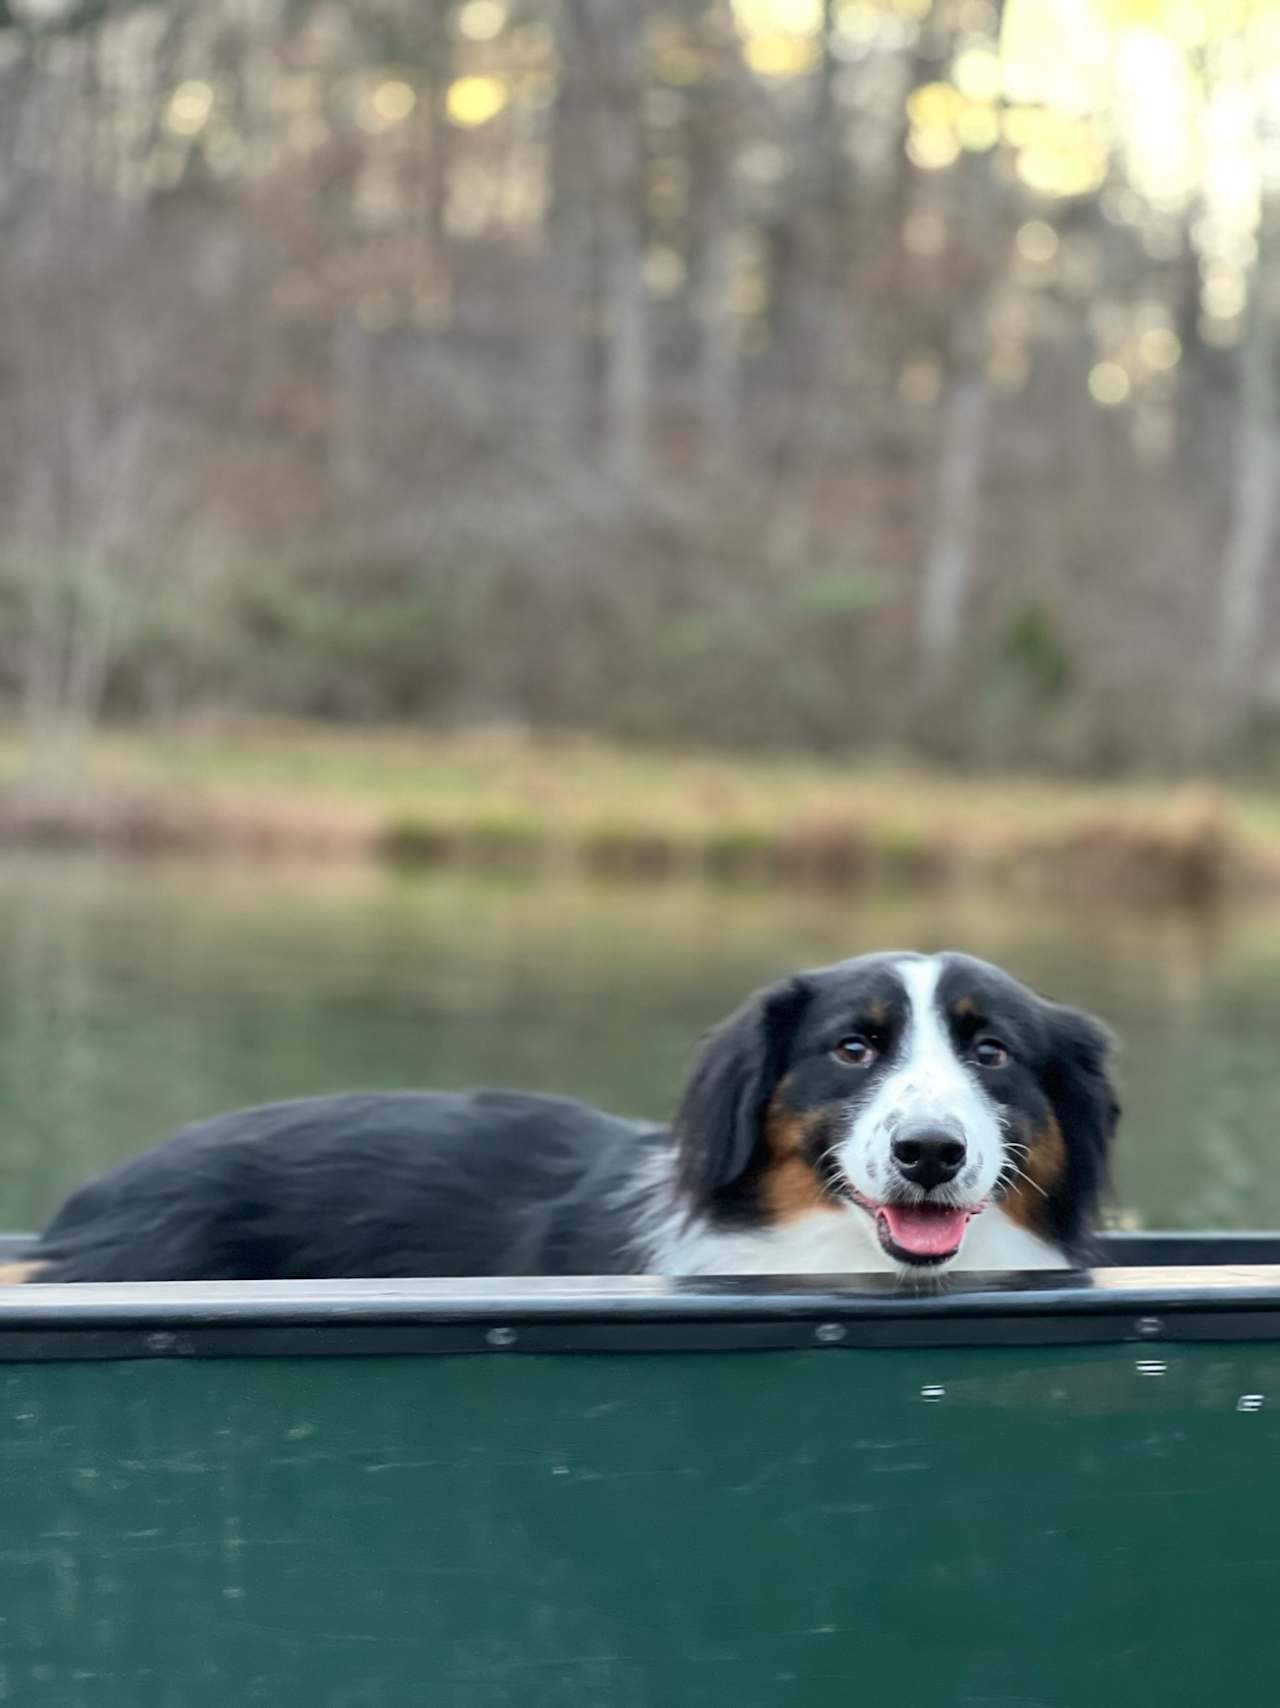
column 929, row 1083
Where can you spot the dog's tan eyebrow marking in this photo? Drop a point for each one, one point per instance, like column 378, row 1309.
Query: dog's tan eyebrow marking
column 877, row 1012
column 964, row 1008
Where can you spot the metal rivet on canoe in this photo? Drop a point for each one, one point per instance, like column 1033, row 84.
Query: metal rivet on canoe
column 501, row 1336
column 933, row 1391
column 1149, row 1327
column 1249, row 1402
column 1150, row 1367
column 829, row 1333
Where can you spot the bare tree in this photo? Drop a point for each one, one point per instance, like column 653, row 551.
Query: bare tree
column 950, row 561
column 612, row 32
column 1251, row 544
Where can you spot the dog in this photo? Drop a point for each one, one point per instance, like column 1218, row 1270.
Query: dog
column 915, row 1114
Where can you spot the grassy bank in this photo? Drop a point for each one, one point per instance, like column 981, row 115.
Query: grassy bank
column 506, row 802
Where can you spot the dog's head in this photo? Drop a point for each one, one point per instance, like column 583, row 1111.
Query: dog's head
column 924, row 1090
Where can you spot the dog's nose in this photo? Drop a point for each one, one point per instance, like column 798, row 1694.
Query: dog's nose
column 928, row 1156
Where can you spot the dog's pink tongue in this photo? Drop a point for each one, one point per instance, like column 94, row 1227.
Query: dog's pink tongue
column 926, row 1229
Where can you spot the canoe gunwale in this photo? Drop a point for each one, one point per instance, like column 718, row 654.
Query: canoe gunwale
column 1152, row 1288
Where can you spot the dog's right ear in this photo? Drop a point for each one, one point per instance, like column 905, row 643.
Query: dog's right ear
column 720, row 1122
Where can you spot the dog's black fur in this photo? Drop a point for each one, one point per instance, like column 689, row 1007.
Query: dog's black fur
column 376, row 1184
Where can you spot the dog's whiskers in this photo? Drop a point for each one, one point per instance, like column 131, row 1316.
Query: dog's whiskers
column 1012, row 1168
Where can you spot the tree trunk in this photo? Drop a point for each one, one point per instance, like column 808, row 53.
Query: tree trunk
column 949, row 564
column 815, row 320
column 566, row 404
column 1252, row 538
column 616, row 35
column 349, row 403
column 717, row 358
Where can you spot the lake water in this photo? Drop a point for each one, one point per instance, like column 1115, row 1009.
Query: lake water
column 139, row 995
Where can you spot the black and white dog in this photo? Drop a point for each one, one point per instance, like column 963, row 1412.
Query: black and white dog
column 894, row 1112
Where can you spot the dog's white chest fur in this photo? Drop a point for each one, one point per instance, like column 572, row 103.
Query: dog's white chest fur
column 841, row 1242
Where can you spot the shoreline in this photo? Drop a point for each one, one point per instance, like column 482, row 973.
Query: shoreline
column 504, row 802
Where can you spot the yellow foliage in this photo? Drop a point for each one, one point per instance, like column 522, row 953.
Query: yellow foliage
column 934, row 105
column 778, row 55
column 475, row 100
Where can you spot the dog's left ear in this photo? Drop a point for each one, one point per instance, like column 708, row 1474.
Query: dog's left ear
column 1084, row 1099
column 720, row 1121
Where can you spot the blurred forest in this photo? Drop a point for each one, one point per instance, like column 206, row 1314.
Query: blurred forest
column 895, row 376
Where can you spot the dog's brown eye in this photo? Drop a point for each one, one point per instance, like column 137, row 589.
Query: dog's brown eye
column 856, row 1051
column 991, row 1053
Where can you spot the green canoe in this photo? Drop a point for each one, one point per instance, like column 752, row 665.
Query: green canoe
column 646, row 1494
